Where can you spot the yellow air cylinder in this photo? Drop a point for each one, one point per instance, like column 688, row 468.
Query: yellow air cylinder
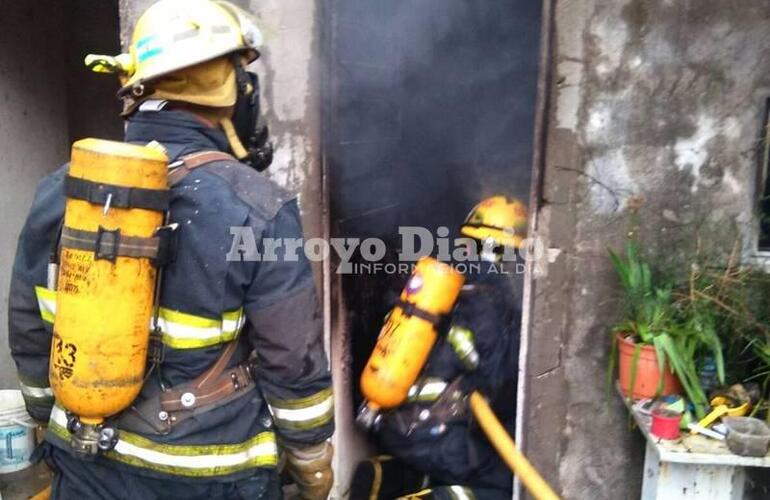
column 407, row 337
column 104, row 306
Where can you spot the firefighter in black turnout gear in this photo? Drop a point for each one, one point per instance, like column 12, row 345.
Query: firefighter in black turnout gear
column 238, row 371
column 435, row 448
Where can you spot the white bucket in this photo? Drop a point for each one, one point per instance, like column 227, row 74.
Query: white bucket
column 17, row 433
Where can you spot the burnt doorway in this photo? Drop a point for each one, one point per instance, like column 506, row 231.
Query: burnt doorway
column 430, row 107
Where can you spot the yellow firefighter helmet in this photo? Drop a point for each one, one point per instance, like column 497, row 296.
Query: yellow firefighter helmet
column 499, row 218
column 172, row 35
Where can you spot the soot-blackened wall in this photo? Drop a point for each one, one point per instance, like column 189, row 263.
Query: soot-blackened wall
column 431, row 109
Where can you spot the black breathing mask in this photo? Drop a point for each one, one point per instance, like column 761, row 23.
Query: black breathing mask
column 249, row 123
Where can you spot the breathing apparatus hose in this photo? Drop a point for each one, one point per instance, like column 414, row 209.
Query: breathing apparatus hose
column 508, row 451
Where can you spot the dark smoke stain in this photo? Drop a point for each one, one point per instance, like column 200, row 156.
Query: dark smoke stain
column 637, row 15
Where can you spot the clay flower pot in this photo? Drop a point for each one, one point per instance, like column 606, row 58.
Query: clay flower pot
column 647, row 372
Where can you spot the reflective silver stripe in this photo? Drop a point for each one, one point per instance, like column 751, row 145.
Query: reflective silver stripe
column 186, row 331
column 197, row 461
column 192, row 460
column 36, row 392
column 303, row 413
column 461, row 493
column 180, row 330
column 429, row 389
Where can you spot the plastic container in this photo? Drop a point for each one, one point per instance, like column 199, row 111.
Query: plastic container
column 747, row 436
column 17, row 433
column 665, row 423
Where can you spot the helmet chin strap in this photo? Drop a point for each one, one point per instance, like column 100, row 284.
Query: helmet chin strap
column 244, row 89
column 246, row 131
column 232, row 138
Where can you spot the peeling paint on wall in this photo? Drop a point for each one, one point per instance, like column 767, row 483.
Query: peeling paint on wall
column 290, row 91
column 290, row 164
column 611, row 37
column 691, row 152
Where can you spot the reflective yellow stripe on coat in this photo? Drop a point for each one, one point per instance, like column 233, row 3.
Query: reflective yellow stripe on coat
column 46, row 301
column 185, row 331
column 180, row 330
column 183, row 460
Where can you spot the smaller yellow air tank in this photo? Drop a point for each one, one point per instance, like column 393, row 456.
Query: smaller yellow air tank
column 105, row 302
column 409, row 333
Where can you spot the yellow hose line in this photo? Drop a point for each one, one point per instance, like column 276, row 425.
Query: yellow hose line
column 43, row 495
column 505, row 446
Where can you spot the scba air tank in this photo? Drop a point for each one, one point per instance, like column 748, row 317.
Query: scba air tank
column 406, row 339
column 117, row 195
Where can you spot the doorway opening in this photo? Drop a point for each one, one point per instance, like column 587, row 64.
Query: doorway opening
column 430, row 107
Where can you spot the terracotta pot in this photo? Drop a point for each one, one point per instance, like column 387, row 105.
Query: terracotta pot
column 647, row 374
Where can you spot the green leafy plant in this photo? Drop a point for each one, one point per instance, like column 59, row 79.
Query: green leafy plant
column 737, row 299
column 647, row 308
column 681, row 331
column 647, row 311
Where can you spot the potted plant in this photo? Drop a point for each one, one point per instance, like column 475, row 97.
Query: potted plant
column 638, row 339
column 665, row 333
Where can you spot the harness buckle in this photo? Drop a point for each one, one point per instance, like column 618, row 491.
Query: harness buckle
column 156, row 350
column 106, row 244
column 167, row 245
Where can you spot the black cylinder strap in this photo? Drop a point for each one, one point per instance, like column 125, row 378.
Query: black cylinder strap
column 412, row 310
column 99, row 193
column 109, row 245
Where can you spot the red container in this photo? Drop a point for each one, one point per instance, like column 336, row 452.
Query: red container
column 647, row 372
column 665, row 424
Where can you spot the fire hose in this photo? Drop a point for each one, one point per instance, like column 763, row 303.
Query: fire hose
column 402, row 349
column 506, row 448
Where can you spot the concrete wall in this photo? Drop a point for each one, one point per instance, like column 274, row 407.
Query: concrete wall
column 48, row 99
column 33, row 129
column 658, row 102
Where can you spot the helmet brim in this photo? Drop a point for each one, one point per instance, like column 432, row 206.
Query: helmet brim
column 251, row 55
column 501, row 237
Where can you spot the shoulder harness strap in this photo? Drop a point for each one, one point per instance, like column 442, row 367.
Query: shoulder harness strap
column 181, row 168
